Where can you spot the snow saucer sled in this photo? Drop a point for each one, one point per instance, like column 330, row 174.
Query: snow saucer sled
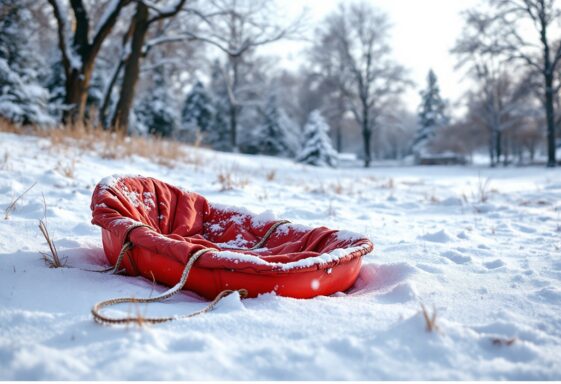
column 179, row 239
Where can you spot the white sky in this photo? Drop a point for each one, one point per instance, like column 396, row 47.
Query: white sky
column 422, row 35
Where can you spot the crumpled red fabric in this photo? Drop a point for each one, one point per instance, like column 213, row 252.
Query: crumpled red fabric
column 182, row 222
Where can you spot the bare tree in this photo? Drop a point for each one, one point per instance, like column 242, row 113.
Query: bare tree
column 79, row 50
column 496, row 31
column 237, row 28
column 351, row 47
column 501, row 106
column 146, row 14
column 501, row 103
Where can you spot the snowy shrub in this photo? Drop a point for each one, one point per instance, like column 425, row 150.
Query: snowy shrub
column 21, row 102
column 22, row 99
column 317, row 149
column 156, row 113
column 198, row 110
column 204, row 117
column 278, row 135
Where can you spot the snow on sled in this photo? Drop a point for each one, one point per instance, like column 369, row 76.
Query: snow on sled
column 153, row 229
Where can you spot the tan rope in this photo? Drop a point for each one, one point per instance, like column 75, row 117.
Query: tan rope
column 127, row 245
column 269, row 233
column 103, row 319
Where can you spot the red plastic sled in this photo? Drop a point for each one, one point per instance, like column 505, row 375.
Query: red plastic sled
column 295, row 260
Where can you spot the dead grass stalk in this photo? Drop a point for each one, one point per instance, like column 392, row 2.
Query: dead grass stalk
column 12, row 207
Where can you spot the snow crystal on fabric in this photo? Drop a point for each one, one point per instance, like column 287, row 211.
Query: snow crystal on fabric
column 322, row 259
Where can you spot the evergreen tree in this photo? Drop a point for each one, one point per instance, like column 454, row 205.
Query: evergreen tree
column 22, row 99
column 15, row 47
column 156, row 113
column 54, row 82
column 317, row 149
column 278, row 135
column 198, row 111
column 432, row 115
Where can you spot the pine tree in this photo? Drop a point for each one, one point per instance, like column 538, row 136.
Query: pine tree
column 317, row 149
column 15, row 47
column 156, row 113
column 432, row 116
column 22, row 99
column 198, row 112
column 54, row 82
column 278, row 135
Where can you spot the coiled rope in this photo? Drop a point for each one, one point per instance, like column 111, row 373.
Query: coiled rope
column 104, row 319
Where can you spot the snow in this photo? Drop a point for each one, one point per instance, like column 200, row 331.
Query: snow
column 322, row 259
column 491, row 269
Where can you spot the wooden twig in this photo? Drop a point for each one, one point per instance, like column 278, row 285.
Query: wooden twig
column 430, row 320
column 503, row 342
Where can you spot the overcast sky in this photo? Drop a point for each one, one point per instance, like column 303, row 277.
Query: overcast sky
column 422, row 35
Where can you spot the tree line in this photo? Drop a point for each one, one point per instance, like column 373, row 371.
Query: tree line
column 193, row 71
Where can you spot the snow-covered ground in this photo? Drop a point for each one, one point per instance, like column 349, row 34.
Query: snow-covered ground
column 492, row 270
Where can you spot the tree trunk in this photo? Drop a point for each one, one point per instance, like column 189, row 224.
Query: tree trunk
column 76, row 94
column 492, row 150
column 120, row 121
column 339, row 125
column 73, row 91
column 498, row 145
column 366, row 136
column 234, row 109
column 550, row 116
column 103, row 118
column 506, row 150
column 339, row 136
column 233, row 126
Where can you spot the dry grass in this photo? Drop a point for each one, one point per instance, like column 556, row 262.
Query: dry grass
column 4, row 164
column 331, row 210
column 6, row 126
column 389, row 184
column 228, row 180
column 110, row 145
column 503, row 342
column 430, row 320
column 431, row 197
column 483, row 190
column 338, row 188
column 347, row 188
column 12, row 207
column 52, row 260
column 271, row 175
column 67, row 170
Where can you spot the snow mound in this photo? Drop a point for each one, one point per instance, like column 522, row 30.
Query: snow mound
column 441, row 236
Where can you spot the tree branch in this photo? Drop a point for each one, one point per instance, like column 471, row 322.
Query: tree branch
column 80, row 41
column 106, row 25
column 62, row 31
column 164, row 13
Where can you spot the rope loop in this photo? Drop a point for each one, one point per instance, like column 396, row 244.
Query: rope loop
column 104, row 319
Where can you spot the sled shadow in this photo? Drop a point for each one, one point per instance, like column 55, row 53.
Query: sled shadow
column 84, row 257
